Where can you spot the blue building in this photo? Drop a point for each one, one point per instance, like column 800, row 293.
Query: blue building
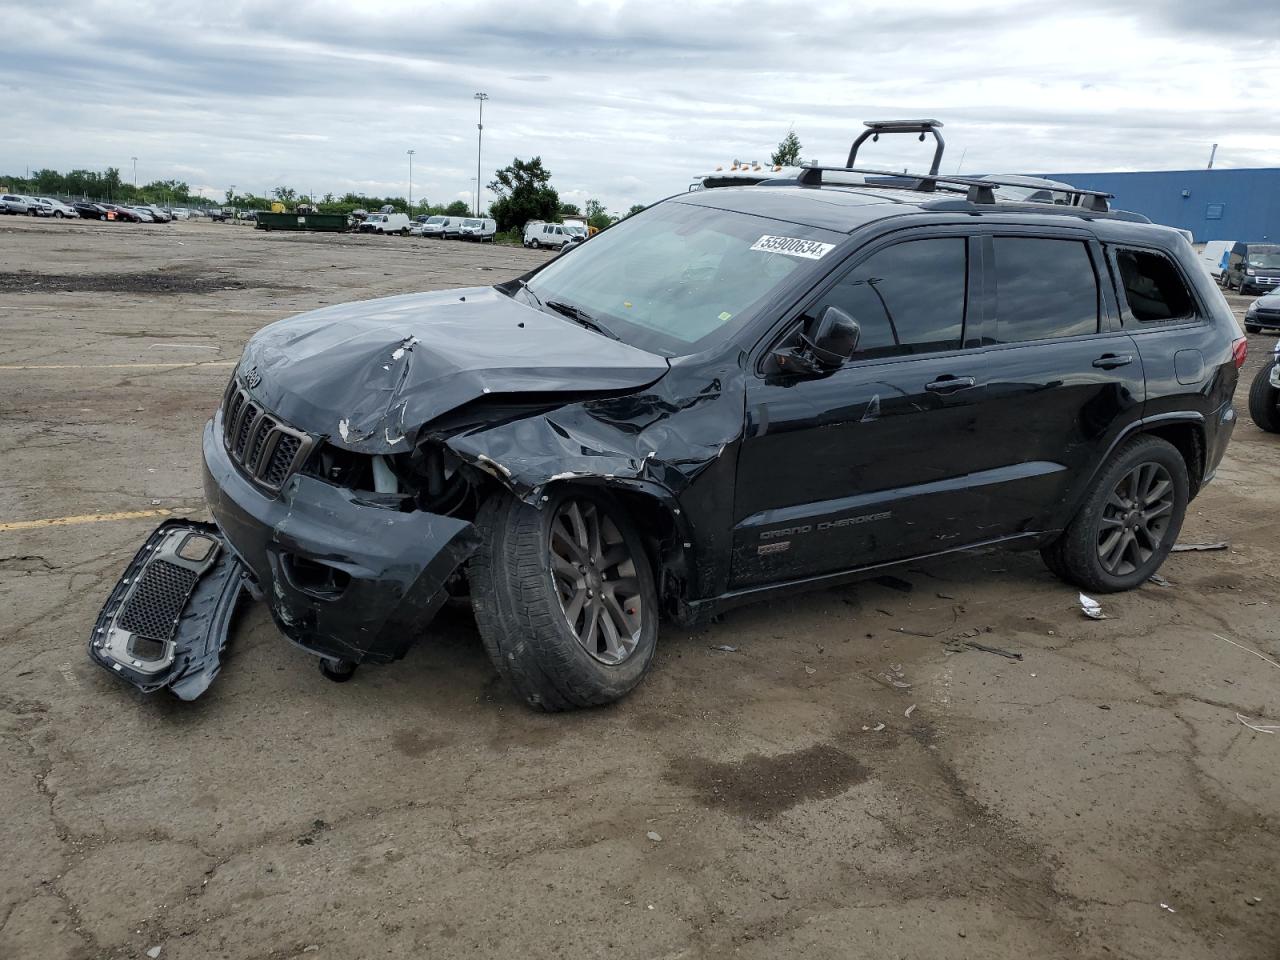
column 1221, row 204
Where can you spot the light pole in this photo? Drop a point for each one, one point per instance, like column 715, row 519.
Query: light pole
column 481, row 97
column 410, row 152
column 135, row 173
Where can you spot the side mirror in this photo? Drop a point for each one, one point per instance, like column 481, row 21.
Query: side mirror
column 832, row 338
column 826, row 343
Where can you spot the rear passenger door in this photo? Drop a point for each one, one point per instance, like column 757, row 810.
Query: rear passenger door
column 1063, row 377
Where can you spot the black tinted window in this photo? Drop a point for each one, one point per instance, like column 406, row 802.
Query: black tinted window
column 908, row 298
column 1044, row 288
column 1153, row 287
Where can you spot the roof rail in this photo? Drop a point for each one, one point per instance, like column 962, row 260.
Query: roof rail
column 977, row 191
column 877, row 127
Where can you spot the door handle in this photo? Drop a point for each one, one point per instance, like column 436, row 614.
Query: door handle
column 949, row 384
column 1109, row 361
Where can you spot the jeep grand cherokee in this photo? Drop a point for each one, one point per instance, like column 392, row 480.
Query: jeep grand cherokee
column 733, row 394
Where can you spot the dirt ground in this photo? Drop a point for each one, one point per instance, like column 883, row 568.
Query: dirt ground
column 1098, row 798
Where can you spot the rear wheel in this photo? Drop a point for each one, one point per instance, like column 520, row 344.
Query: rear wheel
column 1129, row 521
column 564, row 598
column 1264, row 400
column 1252, row 328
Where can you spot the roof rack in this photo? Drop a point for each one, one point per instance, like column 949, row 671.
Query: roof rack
column 877, row 127
column 978, row 191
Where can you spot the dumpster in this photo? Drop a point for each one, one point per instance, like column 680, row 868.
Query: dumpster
column 331, row 222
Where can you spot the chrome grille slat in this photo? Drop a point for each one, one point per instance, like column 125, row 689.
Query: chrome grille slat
column 265, row 449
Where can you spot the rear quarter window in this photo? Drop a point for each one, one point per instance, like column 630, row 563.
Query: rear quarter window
column 1154, row 289
column 1045, row 288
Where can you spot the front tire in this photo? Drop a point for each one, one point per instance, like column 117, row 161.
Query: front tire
column 1264, row 400
column 564, row 598
column 1129, row 521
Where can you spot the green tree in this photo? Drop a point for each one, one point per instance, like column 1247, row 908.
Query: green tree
column 570, row 210
column 597, row 215
column 788, row 152
column 459, row 208
column 524, row 193
column 285, row 195
column 635, row 208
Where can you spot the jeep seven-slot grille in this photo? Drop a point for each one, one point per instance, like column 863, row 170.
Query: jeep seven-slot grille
column 267, row 450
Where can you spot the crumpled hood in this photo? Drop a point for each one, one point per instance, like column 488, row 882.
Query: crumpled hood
column 368, row 375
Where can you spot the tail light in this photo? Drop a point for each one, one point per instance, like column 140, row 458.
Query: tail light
column 1239, row 351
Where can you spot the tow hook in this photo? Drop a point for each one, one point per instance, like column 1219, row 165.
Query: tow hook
column 339, row 671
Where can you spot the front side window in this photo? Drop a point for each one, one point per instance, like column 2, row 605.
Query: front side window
column 679, row 277
column 1044, row 289
column 1153, row 288
column 908, row 298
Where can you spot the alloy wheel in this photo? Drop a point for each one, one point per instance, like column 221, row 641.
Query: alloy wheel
column 1135, row 518
column 595, row 578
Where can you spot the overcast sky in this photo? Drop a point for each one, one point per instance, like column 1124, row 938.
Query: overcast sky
column 625, row 101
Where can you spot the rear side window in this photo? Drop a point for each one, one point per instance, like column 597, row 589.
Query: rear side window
column 908, row 298
column 1153, row 288
column 1044, row 288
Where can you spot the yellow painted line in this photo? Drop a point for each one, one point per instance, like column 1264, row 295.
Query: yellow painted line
column 83, row 518
column 115, row 366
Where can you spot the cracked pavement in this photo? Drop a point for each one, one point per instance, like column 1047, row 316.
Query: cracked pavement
column 1097, row 798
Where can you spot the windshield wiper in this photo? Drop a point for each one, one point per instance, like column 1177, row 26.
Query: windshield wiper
column 580, row 316
column 525, row 287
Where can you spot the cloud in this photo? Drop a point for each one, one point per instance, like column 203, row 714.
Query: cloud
column 625, row 101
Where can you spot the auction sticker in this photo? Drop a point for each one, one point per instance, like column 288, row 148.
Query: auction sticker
column 793, row 247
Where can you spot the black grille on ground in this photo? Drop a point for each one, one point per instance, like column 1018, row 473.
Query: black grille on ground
column 265, row 449
column 152, row 611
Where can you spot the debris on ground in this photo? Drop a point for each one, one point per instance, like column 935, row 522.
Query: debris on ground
column 1158, row 580
column 1165, row 906
column 809, row 670
column 654, row 836
column 877, row 728
column 1091, row 608
column 910, row 710
column 1259, row 727
column 724, row 648
column 1184, row 547
column 996, row 650
column 1260, row 656
column 153, row 953
column 893, row 678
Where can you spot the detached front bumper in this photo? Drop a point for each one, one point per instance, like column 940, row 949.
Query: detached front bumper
column 344, row 578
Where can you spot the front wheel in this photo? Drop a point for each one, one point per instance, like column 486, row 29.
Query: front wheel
column 1129, row 521
column 564, row 598
column 1264, row 398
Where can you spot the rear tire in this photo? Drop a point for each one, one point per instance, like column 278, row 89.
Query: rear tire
column 522, row 597
column 1252, row 328
column 1264, row 400
column 1129, row 521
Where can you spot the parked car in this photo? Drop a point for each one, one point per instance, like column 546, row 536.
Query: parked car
column 553, row 235
column 1252, row 266
column 1263, row 313
column 479, row 229
column 90, row 211
column 118, row 212
column 385, row 223
column 15, row 203
column 181, row 213
column 1264, row 394
column 142, row 213
column 733, row 395
column 1213, row 257
column 442, row 227
column 57, row 208
column 158, row 215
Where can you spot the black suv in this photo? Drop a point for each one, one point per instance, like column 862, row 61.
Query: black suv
column 736, row 393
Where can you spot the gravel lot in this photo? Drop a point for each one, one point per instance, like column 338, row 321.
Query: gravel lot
column 1098, row 798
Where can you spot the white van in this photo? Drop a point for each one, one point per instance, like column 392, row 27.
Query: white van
column 386, row 223
column 554, row 235
column 479, row 229
column 1214, row 256
column 445, row 227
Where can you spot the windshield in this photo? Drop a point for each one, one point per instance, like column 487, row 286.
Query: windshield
column 471, row 223
column 1265, row 255
column 435, row 220
column 575, row 229
column 678, row 277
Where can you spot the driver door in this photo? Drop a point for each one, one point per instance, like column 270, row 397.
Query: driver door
column 870, row 462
